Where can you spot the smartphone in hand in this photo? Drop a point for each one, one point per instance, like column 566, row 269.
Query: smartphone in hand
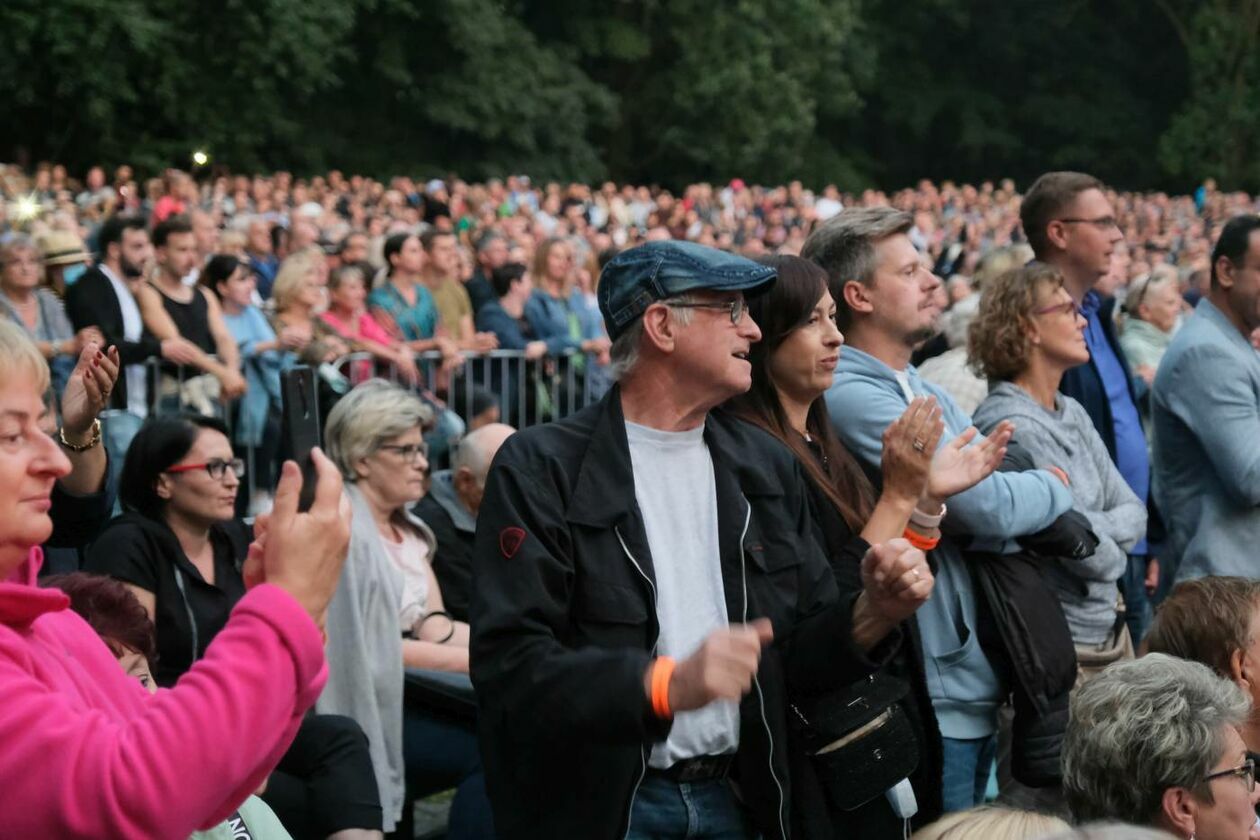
column 300, row 430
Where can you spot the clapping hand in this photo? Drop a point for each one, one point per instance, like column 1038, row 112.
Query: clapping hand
column 908, row 447
column 958, row 466
column 896, row 580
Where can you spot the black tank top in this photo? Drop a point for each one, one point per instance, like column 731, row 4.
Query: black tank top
column 192, row 319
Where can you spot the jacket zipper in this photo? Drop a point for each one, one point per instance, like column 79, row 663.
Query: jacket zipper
column 642, row 752
column 761, row 698
column 192, row 621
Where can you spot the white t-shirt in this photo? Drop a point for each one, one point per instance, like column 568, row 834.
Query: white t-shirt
column 677, row 494
column 411, row 556
column 133, row 328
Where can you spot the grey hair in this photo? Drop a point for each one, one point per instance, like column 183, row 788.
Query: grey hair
column 1140, row 289
column 371, row 414
column 957, row 280
column 1112, row 831
column 958, row 318
column 844, row 246
column 472, row 452
column 489, row 238
column 624, row 354
column 999, row 261
column 18, row 242
column 1141, row 727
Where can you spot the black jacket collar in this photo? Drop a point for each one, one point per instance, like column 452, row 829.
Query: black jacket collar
column 603, row 493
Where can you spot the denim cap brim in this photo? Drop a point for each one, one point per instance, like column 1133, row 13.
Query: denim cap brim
column 635, row 279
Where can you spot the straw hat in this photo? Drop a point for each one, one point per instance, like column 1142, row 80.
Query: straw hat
column 61, row 247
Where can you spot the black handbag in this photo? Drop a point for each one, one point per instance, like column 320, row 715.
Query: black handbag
column 859, row 739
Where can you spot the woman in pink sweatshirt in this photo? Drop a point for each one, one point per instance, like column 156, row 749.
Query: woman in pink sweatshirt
column 86, row 751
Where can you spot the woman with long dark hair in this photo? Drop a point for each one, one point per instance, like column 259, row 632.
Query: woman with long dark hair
column 792, row 367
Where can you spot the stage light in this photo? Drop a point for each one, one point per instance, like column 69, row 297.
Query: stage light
column 26, row 208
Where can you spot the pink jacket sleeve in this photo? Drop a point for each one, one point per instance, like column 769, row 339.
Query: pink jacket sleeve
column 87, row 754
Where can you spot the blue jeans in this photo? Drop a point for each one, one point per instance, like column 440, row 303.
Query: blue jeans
column 968, row 762
column 1136, row 603
column 117, row 430
column 666, row 810
column 439, row 755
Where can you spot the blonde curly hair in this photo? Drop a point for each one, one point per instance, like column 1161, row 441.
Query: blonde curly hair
column 997, row 340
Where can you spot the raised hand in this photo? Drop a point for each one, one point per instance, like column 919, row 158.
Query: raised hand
column 722, row 668
column 909, row 444
column 302, row 553
column 958, row 466
column 88, row 389
column 896, row 580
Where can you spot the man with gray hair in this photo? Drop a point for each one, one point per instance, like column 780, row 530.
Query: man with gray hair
column 886, row 304
column 648, row 594
column 450, row 508
column 1154, row 741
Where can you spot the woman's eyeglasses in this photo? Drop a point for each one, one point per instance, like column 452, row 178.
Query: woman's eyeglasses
column 216, row 468
column 1245, row 771
column 1066, row 307
column 410, row 452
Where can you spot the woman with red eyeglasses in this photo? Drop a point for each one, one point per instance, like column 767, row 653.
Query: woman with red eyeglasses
column 180, row 549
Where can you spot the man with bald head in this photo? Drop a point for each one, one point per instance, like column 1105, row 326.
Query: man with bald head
column 450, row 509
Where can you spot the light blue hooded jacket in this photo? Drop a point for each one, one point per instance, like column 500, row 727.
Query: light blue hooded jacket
column 866, row 396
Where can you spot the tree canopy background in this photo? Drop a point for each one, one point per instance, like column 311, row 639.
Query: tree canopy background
column 1143, row 93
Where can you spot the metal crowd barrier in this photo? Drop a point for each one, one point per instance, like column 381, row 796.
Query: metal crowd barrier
column 527, row 391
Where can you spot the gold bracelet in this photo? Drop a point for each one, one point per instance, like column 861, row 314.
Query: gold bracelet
column 81, row 447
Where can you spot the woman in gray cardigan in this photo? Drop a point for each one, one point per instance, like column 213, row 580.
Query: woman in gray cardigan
column 388, row 612
column 1028, row 333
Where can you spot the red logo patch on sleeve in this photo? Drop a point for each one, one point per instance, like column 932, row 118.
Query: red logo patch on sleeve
column 510, row 540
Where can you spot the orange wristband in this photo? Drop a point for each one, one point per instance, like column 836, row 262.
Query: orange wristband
column 919, row 541
column 662, row 671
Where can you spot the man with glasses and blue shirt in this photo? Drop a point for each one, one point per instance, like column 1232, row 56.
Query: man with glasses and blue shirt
column 648, row 595
column 1071, row 225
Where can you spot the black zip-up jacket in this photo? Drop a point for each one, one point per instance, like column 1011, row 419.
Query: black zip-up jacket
column 564, row 621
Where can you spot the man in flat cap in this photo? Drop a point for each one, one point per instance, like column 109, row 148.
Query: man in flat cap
column 647, row 590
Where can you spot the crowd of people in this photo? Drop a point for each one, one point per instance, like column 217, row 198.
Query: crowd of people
column 829, row 515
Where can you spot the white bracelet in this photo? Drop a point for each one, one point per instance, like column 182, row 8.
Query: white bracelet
column 923, row 520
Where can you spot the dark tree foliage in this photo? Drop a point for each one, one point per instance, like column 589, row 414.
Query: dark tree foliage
column 1144, row 93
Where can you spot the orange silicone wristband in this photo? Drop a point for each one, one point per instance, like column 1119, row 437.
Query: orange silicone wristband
column 662, row 671
column 919, row 541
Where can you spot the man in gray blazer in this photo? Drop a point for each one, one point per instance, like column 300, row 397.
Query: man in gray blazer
column 1206, row 413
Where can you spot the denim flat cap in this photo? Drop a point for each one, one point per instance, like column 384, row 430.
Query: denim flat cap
column 635, row 279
